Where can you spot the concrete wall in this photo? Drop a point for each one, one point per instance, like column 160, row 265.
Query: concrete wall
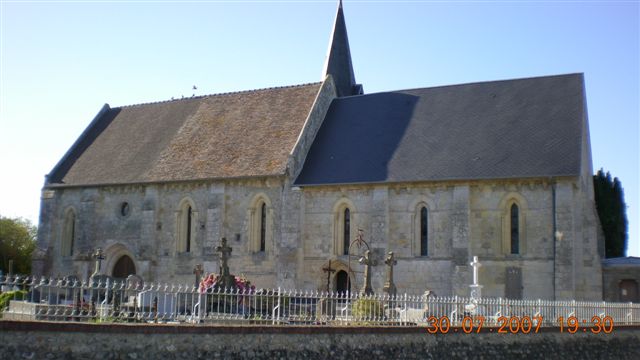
column 20, row 340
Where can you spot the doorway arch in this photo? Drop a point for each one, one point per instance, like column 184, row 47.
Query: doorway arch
column 342, row 283
column 123, row 267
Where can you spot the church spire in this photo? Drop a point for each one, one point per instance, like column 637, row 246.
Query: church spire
column 338, row 62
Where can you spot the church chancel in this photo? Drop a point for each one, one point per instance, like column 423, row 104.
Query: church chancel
column 288, row 174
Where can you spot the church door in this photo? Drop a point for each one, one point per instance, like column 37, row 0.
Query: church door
column 628, row 291
column 124, row 267
column 342, row 282
column 513, row 286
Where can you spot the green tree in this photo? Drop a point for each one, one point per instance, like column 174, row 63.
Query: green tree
column 612, row 212
column 17, row 242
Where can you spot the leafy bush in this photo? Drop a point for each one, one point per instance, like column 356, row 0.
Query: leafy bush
column 11, row 295
column 367, row 309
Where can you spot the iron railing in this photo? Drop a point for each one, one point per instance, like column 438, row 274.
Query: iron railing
column 31, row 298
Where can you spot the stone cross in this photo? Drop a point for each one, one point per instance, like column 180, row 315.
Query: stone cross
column 328, row 269
column 389, row 287
column 226, row 280
column 198, row 270
column 99, row 257
column 367, row 262
column 476, row 265
column 476, row 289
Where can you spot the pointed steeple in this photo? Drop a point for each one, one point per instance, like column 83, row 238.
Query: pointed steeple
column 339, row 58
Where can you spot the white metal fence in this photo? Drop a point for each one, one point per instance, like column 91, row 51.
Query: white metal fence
column 48, row 299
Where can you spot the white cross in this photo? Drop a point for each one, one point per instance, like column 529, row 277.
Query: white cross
column 475, row 265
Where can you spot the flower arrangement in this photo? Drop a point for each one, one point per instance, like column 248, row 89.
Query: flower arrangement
column 211, row 281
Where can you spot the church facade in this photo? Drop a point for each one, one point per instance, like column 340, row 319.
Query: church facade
column 291, row 176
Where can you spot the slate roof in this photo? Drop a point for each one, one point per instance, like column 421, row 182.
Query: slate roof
column 217, row 136
column 621, row 261
column 501, row 129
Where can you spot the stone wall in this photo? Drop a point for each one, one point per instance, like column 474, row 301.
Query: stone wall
column 465, row 219
column 20, row 340
column 148, row 233
column 613, row 275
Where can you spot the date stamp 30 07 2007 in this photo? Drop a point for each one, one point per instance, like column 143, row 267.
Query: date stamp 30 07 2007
column 519, row 325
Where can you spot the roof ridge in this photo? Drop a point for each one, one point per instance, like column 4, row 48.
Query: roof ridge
column 470, row 83
column 216, row 95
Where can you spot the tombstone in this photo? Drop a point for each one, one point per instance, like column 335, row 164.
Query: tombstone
column 475, row 288
column 198, row 270
column 389, row 286
column 329, row 270
column 227, row 281
column 101, row 286
column 513, row 284
column 99, row 257
column 133, row 284
column 368, row 262
column 71, row 284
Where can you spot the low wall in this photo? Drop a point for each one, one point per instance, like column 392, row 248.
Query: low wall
column 42, row 340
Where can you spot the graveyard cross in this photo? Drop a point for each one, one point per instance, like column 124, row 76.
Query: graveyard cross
column 476, row 289
column 367, row 262
column 99, row 257
column 476, row 265
column 389, row 286
column 198, row 270
column 328, row 269
column 226, row 280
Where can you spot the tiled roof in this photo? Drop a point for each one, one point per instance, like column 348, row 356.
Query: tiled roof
column 501, row 129
column 218, row 136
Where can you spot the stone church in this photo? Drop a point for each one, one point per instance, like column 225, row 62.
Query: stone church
column 292, row 175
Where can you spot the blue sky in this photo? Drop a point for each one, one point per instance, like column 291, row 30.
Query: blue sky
column 61, row 61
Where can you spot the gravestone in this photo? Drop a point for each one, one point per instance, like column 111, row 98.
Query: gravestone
column 389, row 286
column 227, row 281
column 513, row 284
column 134, row 283
column 368, row 262
column 476, row 288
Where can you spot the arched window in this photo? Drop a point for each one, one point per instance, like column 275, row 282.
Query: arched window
column 68, row 233
column 424, row 231
column 346, row 231
column 420, row 227
column 515, row 229
column 186, row 228
column 263, row 226
column 260, row 223
column 514, row 210
column 344, row 224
